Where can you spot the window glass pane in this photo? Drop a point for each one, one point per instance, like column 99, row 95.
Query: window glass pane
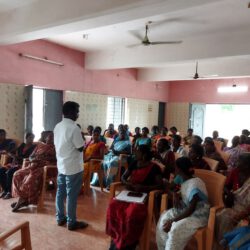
column 115, row 111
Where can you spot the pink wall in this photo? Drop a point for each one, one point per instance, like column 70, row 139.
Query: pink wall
column 72, row 76
column 205, row 91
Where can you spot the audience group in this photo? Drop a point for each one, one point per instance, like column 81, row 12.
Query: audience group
column 159, row 159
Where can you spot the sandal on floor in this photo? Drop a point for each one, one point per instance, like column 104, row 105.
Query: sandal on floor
column 20, row 205
column 13, row 204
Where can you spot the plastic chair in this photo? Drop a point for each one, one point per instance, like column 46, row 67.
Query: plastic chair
column 46, row 179
column 215, row 185
column 225, row 156
column 109, row 142
column 25, row 236
column 95, row 166
column 218, row 145
column 122, row 163
column 4, row 159
column 145, row 237
column 213, row 164
column 87, row 139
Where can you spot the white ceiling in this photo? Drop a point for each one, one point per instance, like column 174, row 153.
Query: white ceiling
column 214, row 32
column 8, row 5
column 222, row 17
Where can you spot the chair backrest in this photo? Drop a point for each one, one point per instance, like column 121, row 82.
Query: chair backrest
column 218, row 145
column 225, row 156
column 213, row 164
column 109, row 141
column 214, row 184
column 225, row 142
column 87, row 138
column 25, row 236
column 17, row 142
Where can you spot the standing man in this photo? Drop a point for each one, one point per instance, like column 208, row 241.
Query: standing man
column 69, row 146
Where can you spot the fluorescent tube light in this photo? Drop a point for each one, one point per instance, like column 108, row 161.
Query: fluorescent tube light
column 232, row 89
column 41, row 59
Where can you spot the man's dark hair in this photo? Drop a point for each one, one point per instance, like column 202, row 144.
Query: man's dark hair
column 70, row 107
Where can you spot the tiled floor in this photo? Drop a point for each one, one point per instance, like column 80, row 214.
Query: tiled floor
column 46, row 235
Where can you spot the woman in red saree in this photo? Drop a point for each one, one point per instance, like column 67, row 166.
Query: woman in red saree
column 27, row 182
column 125, row 220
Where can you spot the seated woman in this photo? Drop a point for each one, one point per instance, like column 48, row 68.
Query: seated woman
column 196, row 140
column 121, row 145
column 235, row 151
column 144, row 139
column 110, row 132
column 7, row 172
column 102, row 138
column 188, row 138
column 177, row 148
column 237, row 202
column 239, row 238
column 94, row 150
column 210, row 152
column 196, row 154
column 27, row 182
column 155, row 135
column 164, row 134
column 126, row 128
column 177, row 225
column 164, row 157
column 243, row 143
column 136, row 136
column 44, row 135
column 90, row 130
column 125, row 221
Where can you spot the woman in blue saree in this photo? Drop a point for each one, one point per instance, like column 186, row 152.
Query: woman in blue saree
column 144, row 139
column 121, row 145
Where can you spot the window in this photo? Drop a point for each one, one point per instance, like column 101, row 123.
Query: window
column 115, row 111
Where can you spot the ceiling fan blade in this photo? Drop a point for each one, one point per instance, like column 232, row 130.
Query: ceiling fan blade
column 207, row 76
column 136, row 34
column 134, row 45
column 165, row 42
column 158, row 23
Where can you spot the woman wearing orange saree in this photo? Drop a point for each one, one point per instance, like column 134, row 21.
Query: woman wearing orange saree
column 27, row 182
column 94, row 150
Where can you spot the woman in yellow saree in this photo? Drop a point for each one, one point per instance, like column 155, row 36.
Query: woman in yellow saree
column 94, row 150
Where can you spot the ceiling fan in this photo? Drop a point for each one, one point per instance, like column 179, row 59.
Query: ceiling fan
column 145, row 40
column 197, row 76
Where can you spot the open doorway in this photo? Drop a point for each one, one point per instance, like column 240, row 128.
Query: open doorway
column 43, row 109
column 227, row 119
column 38, row 114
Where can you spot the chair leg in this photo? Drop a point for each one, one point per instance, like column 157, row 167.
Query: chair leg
column 41, row 200
column 200, row 243
column 25, row 237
